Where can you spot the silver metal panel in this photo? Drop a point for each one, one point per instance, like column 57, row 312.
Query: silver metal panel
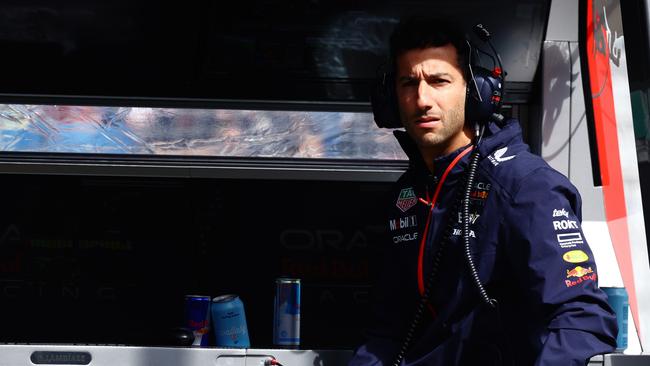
column 596, row 361
column 563, row 21
column 20, row 355
column 256, row 357
column 556, row 104
column 626, row 360
column 360, row 173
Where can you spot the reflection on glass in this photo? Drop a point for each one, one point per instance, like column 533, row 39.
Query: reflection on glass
column 194, row 132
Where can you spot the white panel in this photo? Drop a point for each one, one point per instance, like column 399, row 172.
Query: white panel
column 556, row 104
column 597, row 235
column 580, row 164
column 563, row 21
column 632, row 189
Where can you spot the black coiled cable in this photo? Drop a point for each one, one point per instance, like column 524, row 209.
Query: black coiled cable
column 471, row 175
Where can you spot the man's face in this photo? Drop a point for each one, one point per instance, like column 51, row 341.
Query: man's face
column 431, row 97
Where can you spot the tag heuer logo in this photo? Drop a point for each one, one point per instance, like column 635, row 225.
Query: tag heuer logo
column 406, row 199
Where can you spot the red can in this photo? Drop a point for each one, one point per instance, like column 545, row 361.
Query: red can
column 197, row 318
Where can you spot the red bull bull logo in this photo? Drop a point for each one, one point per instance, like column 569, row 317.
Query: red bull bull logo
column 578, row 272
column 202, row 327
column 482, row 195
column 581, row 274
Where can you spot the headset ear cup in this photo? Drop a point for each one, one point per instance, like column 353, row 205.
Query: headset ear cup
column 384, row 102
column 484, row 96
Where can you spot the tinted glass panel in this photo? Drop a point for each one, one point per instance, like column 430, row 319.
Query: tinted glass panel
column 195, row 132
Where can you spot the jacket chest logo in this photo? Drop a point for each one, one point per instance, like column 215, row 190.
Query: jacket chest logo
column 403, row 222
column 498, row 156
column 406, row 199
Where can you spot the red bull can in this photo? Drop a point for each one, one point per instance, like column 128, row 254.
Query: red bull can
column 197, row 318
column 229, row 322
column 286, row 323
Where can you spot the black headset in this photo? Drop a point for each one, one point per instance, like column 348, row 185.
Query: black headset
column 484, row 95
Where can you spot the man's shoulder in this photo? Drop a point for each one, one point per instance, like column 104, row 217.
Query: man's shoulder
column 513, row 168
column 506, row 159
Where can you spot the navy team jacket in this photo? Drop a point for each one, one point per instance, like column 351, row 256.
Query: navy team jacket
column 530, row 254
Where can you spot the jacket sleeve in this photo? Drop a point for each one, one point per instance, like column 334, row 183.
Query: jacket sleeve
column 555, row 268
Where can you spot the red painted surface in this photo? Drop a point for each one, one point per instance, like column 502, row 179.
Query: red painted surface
column 608, row 146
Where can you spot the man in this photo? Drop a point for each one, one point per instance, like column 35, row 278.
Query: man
column 524, row 233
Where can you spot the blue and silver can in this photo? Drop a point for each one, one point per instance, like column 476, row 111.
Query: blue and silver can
column 618, row 300
column 197, row 318
column 286, row 324
column 229, row 322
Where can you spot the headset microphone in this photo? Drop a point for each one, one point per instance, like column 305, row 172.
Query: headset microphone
column 482, row 33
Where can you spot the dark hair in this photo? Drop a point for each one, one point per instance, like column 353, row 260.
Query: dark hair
column 419, row 32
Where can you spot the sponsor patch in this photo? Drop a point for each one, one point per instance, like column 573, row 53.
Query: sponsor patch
column 472, row 218
column 578, row 271
column 459, row 232
column 560, row 213
column 498, row 156
column 479, row 195
column 406, row 199
column 575, row 256
column 406, row 237
column 565, row 224
column 571, row 283
column 569, row 240
column 579, row 275
column 481, row 191
column 403, row 222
